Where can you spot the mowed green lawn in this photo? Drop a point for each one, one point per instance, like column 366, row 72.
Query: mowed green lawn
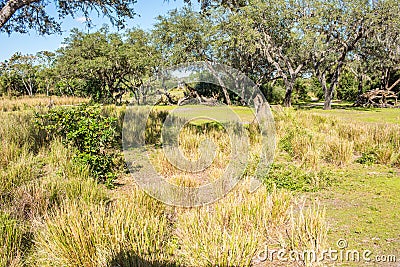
column 366, row 115
column 347, row 112
column 364, row 209
column 210, row 113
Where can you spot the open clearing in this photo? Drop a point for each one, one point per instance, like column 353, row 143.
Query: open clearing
column 347, row 160
column 363, row 207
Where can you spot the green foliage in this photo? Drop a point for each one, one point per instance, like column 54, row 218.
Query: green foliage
column 274, row 93
column 284, row 46
column 183, row 36
column 347, row 89
column 19, row 74
column 93, row 135
column 294, row 178
column 22, row 16
column 106, row 64
column 367, row 158
column 303, row 90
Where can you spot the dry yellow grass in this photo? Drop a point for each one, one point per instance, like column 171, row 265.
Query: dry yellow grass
column 316, row 140
column 23, row 103
column 132, row 231
column 136, row 230
column 189, row 141
column 77, row 222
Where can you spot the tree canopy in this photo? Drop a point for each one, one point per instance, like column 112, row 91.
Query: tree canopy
column 293, row 49
column 23, row 15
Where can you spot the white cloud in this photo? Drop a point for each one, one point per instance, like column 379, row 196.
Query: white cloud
column 82, row 19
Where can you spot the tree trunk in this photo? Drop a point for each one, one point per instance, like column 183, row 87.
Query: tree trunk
column 31, row 87
column 135, row 94
column 287, row 102
column 221, row 83
column 27, row 86
column 145, row 92
column 225, row 91
column 360, row 84
column 334, row 82
column 10, row 8
column 328, row 98
column 384, row 79
column 327, row 95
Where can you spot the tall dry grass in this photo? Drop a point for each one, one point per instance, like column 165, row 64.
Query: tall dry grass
column 190, row 139
column 11, row 242
column 132, row 231
column 232, row 231
column 38, row 102
column 54, row 214
column 315, row 140
column 136, row 230
column 35, row 178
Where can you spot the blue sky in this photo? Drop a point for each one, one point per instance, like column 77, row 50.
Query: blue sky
column 31, row 43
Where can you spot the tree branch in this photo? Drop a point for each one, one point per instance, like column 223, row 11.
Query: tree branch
column 11, row 7
column 394, row 84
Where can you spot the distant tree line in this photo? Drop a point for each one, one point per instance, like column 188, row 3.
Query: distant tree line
column 295, row 50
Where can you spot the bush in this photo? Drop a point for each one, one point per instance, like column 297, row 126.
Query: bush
column 294, row 178
column 92, row 134
column 367, row 158
column 274, row 93
column 348, row 87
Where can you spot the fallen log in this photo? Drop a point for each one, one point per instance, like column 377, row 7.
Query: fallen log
column 377, row 98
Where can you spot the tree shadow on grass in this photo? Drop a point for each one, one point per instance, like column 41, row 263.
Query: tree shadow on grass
column 320, row 106
column 129, row 259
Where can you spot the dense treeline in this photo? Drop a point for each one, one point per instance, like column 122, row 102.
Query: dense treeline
column 295, row 50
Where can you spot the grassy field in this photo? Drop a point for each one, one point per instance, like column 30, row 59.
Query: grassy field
column 345, row 110
column 363, row 206
column 377, row 115
column 336, row 176
column 363, row 209
column 220, row 113
column 37, row 102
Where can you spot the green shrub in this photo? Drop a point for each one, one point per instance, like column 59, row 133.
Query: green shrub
column 368, row 158
column 291, row 177
column 348, row 87
column 93, row 135
column 274, row 93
